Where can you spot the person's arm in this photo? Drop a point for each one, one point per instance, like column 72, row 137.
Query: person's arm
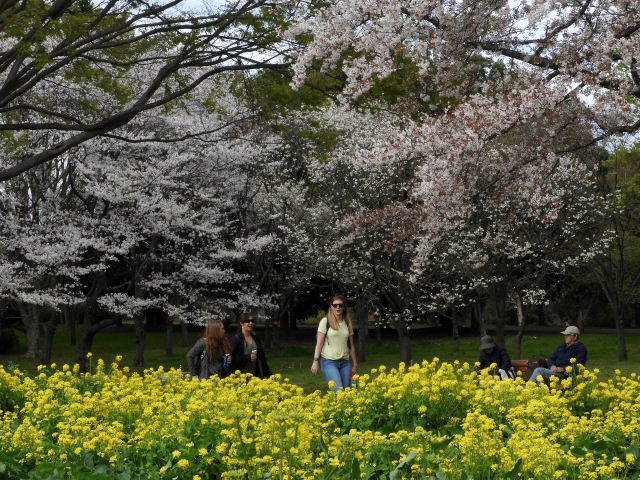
column 581, row 354
column 262, row 358
column 505, row 360
column 238, row 358
column 482, row 361
column 553, row 359
column 352, row 354
column 320, row 338
column 193, row 355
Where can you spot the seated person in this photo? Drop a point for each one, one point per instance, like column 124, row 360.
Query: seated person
column 490, row 353
column 561, row 358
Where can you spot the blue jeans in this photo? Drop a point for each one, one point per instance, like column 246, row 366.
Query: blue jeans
column 546, row 374
column 338, row 371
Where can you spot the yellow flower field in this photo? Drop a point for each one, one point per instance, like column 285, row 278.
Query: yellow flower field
column 429, row 421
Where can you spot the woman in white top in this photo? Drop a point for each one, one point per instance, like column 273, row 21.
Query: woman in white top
column 334, row 346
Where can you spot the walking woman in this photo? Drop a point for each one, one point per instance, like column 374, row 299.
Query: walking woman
column 334, row 346
column 211, row 353
column 247, row 350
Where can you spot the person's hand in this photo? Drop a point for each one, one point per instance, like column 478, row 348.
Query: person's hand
column 254, row 357
column 315, row 367
column 354, row 369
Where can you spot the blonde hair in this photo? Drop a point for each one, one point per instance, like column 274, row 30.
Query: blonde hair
column 333, row 319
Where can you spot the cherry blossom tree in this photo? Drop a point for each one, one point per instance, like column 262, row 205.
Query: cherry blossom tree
column 356, row 240
column 113, row 60
column 492, row 69
column 132, row 225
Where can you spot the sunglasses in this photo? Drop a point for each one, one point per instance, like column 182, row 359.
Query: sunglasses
column 249, row 321
column 337, row 305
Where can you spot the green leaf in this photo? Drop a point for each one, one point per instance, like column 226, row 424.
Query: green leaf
column 440, row 475
column 515, row 469
column 46, row 471
column 634, row 449
column 355, row 468
column 323, row 445
column 100, row 469
column 407, row 460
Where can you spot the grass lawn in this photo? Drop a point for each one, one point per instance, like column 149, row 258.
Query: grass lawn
column 293, row 360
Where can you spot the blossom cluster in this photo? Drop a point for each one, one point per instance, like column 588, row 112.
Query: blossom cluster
column 430, row 419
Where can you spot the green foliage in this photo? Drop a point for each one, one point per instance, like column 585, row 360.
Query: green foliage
column 623, row 167
column 315, row 319
column 273, row 94
column 408, row 89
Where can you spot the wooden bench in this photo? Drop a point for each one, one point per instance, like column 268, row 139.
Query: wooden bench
column 528, row 366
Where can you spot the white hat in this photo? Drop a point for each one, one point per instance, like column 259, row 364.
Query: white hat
column 571, row 330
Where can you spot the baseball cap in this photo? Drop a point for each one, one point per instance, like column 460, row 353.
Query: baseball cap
column 571, row 330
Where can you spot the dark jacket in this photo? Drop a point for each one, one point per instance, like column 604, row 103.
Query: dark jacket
column 499, row 356
column 239, row 360
column 199, row 364
column 563, row 355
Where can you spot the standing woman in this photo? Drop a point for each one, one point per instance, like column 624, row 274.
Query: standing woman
column 211, row 353
column 334, row 346
column 247, row 351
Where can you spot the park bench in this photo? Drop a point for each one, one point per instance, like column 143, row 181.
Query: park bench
column 528, row 366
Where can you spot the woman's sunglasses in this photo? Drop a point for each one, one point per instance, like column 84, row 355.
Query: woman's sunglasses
column 337, row 305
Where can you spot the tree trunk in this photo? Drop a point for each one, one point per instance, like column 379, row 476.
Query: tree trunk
column 455, row 332
column 542, row 319
column 268, row 334
column 379, row 335
column 405, row 343
column 48, row 331
column 140, row 340
column 636, row 315
column 501, row 311
column 291, row 320
column 84, row 346
column 612, row 291
column 478, row 310
column 33, row 337
column 169, row 323
column 30, row 315
column 363, row 330
column 622, row 340
column 581, row 316
column 71, row 320
column 520, row 334
column 185, row 333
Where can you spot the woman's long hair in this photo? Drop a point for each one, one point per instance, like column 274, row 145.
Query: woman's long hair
column 333, row 319
column 215, row 340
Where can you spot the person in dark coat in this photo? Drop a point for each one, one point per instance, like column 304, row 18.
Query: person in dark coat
column 490, row 353
column 571, row 349
column 211, row 353
column 247, row 351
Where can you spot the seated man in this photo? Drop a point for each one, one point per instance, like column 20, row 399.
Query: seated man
column 561, row 358
column 491, row 353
